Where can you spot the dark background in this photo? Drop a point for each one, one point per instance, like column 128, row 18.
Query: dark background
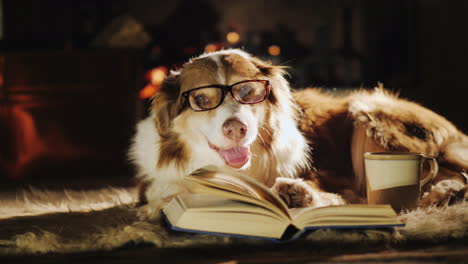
column 69, row 90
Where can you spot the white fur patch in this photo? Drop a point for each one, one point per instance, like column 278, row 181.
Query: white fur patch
column 220, row 71
column 226, row 52
column 144, row 150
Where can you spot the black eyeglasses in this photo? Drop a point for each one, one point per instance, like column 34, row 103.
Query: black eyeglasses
column 211, row 96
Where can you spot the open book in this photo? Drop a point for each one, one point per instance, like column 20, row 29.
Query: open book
column 230, row 203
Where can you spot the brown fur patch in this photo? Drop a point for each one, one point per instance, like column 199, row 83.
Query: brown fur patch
column 272, row 96
column 235, row 64
column 142, row 186
column 268, row 69
column 166, row 103
column 266, row 132
column 170, row 87
column 199, row 72
column 271, row 71
column 166, row 106
column 390, row 123
column 398, row 124
column 172, row 149
column 326, row 125
column 416, row 130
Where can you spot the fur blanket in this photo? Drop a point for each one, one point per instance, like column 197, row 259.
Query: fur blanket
column 38, row 221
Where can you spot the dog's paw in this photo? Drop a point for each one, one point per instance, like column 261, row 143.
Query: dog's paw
column 149, row 212
column 297, row 193
column 294, row 192
column 445, row 192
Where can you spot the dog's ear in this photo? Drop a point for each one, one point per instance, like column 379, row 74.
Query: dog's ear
column 268, row 69
column 165, row 103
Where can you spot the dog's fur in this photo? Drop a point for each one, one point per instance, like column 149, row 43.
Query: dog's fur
column 307, row 145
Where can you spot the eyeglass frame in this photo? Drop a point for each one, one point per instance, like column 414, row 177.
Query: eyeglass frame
column 225, row 89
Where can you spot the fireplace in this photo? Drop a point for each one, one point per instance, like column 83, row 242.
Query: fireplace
column 67, row 114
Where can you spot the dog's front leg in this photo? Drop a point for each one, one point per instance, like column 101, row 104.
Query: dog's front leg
column 298, row 193
column 157, row 194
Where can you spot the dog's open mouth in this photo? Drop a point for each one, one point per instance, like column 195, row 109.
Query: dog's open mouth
column 235, row 157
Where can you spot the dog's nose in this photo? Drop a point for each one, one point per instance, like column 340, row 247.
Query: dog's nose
column 234, row 129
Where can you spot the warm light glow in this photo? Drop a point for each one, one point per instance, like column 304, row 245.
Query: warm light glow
column 210, row 48
column 233, row 37
column 155, row 78
column 148, row 91
column 157, row 75
column 274, row 50
column 31, row 145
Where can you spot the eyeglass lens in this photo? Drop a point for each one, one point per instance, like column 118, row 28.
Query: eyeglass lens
column 249, row 92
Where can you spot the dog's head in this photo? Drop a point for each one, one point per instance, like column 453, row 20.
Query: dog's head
column 217, row 108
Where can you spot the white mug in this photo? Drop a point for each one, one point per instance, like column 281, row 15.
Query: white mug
column 395, row 178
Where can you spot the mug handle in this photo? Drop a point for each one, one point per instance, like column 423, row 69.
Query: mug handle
column 434, row 170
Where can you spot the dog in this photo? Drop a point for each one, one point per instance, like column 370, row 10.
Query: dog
column 237, row 112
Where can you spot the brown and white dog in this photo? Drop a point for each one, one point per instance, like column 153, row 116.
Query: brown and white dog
column 307, row 145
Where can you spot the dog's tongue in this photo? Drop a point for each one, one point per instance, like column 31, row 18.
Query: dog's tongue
column 235, row 157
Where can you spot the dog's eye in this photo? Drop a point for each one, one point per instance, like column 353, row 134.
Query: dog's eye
column 245, row 91
column 202, row 101
column 205, row 99
column 249, row 93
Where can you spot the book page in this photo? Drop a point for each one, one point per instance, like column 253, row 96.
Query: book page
column 197, row 187
column 203, row 212
column 352, row 214
column 202, row 202
column 236, row 183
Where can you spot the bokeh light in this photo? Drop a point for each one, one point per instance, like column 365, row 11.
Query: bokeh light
column 211, row 48
column 274, row 50
column 149, row 90
column 157, row 75
column 155, row 78
column 233, row 37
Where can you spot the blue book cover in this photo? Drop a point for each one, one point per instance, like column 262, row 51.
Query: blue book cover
column 290, row 234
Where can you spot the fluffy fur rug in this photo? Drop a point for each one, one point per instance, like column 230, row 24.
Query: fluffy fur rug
column 38, row 221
